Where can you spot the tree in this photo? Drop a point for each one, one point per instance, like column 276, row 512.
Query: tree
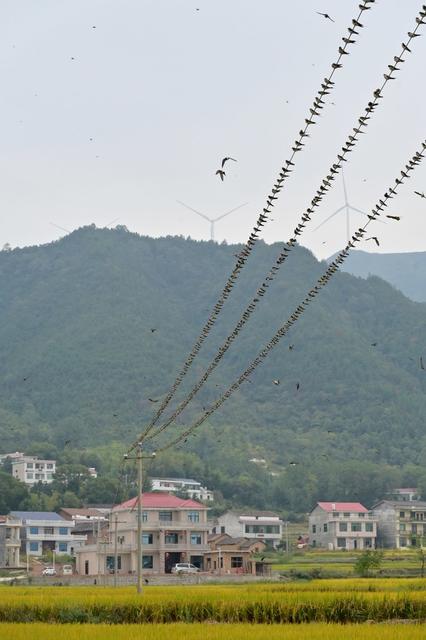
column 370, row 560
column 12, row 493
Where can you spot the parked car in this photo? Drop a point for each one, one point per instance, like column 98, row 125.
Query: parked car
column 67, row 570
column 185, row 567
column 49, row 571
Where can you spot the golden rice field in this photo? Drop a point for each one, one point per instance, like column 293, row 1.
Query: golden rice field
column 213, row 632
column 337, row 601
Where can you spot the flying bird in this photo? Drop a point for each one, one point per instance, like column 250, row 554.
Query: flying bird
column 276, row 382
column 221, row 174
column 298, row 386
column 151, row 400
column 293, row 464
column 325, row 15
column 422, row 366
column 374, row 344
column 422, row 195
column 153, row 330
column 226, row 160
column 394, row 218
column 290, row 347
column 375, row 240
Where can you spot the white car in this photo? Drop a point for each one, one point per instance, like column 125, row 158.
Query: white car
column 185, row 567
column 67, row 570
column 49, row 571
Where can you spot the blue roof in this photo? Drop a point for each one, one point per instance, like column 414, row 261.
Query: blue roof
column 36, row 515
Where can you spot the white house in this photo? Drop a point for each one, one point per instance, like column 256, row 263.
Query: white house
column 254, row 525
column 342, row 525
column 10, row 542
column 30, row 469
column 401, row 524
column 191, row 487
column 43, row 531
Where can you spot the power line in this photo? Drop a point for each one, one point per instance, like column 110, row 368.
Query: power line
column 314, row 111
column 283, row 255
column 333, row 267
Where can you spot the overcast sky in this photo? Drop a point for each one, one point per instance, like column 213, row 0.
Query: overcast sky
column 119, row 108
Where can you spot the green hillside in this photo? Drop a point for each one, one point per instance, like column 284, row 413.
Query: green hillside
column 406, row 271
column 79, row 362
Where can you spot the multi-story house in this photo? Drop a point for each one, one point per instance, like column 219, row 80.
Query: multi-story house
column 404, row 494
column 173, row 530
column 10, row 542
column 192, row 488
column 30, row 469
column 400, row 524
column 43, row 531
column 342, row 525
column 254, row 525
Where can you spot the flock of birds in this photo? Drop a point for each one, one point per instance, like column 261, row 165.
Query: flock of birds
column 153, row 430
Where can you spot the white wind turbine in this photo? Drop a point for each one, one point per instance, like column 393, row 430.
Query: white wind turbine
column 212, row 220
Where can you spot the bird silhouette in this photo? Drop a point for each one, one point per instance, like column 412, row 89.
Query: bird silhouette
column 221, row 174
column 375, row 240
column 290, row 347
column 297, row 386
column 226, row 160
column 276, row 382
column 394, row 218
column 374, row 344
column 325, row 15
column 151, row 400
column 67, row 442
column 422, row 195
column 422, row 366
column 153, row 330
column 293, row 463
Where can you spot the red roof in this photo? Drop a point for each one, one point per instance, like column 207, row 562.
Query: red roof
column 160, row 501
column 353, row 507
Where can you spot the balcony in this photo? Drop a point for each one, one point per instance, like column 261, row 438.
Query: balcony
column 353, row 517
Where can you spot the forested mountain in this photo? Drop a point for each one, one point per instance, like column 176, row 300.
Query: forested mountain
column 79, row 362
column 406, row 271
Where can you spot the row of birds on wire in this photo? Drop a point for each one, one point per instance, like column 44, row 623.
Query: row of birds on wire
column 286, row 170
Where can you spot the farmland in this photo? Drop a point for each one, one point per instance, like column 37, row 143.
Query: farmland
column 213, row 632
column 331, row 601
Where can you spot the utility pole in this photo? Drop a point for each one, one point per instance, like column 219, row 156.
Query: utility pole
column 115, row 549
column 139, row 457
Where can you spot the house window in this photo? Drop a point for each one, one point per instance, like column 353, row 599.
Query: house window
column 368, row 543
column 356, row 526
column 33, row 546
column 402, row 514
column 343, row 526
column 30, row 476
column 346, row 515
column 314, row 528
column 144, row 516
column 236, row 562
column 86, row 567
column 402, row 526
column 336, row 514
column 341, row 543
column 30, row 465
column 147, row 562
column 34, row 531
column 403, row 542
column 194, row 516
column 325, row 528
column 63, row 531
column 49, row 465
column 196, row 538
column 165, row 516
column 62, row 547
column 361, row 515
column 48, row 531
column 147, row 538
column 369, row 526
column 171, row 538
column 222, row 529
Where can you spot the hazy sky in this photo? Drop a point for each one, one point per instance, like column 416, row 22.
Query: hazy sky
column 124, row 119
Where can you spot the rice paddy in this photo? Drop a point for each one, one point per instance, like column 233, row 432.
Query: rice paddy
column 213, row 632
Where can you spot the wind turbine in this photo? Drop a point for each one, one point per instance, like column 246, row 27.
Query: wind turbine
column 212, row 220
column 346, row 207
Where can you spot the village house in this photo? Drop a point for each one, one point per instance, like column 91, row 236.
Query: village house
column 44, row 531
column 233, row 555
column 192, row 488
column 173, row 530
column 10, row 542
column 31, row 470
column 342, row 525
column 254, row 525
column 401, row 524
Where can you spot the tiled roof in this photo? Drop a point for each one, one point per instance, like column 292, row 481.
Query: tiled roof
column 403, row 505
column 255, row 514
column 85, row 513
column 36, row 515
column 160, row 501
column 353, row 507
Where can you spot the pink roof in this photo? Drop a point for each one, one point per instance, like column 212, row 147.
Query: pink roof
column 160, row 501
column 353, row 507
